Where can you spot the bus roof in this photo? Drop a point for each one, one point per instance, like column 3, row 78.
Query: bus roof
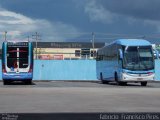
column 133, row 42
column 125, row 42
column 15, row 41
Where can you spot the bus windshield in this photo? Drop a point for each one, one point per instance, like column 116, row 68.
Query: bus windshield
column 17, row 55
column 138, row 58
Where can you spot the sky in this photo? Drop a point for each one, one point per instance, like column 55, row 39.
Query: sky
column 75, row 20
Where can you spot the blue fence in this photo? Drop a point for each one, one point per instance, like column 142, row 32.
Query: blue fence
column 69, row 70
column 64, row 70
column 157, row 69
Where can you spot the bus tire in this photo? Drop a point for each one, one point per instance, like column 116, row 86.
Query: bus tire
column 122, row 83
column 116, row 77
column 101, row 76
column 119, row 82
column 28, row 82
column 102, row 80
column 6, row 82
column 143, row 83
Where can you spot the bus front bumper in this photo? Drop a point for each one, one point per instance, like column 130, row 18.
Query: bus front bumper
column 17, row 76
column 137, row 78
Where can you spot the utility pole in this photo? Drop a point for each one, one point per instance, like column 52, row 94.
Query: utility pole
column 5, row 35
column 28, row 38
column 93, row 38
column 36, row 38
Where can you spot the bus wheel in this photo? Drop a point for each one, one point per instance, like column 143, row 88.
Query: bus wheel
column 122, row 83
column 119, row 82
column 115, row 77
column 28, row 82
column 143, row 83
column 103, row 81
column 6, row 82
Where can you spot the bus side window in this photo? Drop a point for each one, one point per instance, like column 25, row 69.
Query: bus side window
column 98, row 58
column 118, row 57
column 102, row 57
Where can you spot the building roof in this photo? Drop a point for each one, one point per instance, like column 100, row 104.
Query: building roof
column 67, row 45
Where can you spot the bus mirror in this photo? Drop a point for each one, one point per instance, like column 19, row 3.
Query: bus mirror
column 156, row 54
column 120, row 54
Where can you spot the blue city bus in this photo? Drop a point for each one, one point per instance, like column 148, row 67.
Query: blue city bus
column 126, row 60
column 17, row 62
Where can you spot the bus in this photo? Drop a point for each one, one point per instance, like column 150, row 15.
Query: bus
column 17, row 62
column 126, row 60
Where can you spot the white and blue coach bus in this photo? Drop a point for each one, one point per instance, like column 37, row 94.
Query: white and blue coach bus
column 17, row 62
column 126, row 60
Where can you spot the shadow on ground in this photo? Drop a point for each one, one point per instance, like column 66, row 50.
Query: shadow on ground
column 126, row 85
column 20, row 83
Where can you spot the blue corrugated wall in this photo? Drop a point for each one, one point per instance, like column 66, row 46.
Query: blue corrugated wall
column 157, row 69
column 69, row 70
column 64, row 70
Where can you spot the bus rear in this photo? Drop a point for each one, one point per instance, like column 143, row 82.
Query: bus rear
column 17, row 62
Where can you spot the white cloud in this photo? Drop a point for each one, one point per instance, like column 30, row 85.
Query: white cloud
column 98, row 13
column 18, row 25
column 9, row 17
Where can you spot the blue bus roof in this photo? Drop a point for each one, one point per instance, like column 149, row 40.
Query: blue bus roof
column 133, row 42
column 15, row 41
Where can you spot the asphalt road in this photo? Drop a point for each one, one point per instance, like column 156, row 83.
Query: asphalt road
column 61, row 96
